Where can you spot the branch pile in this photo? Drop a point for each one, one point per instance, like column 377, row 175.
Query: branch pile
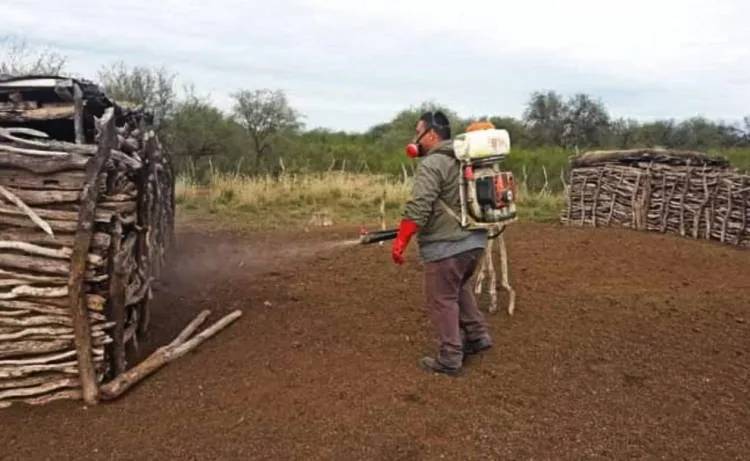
column 690, row 194
column 81, row 226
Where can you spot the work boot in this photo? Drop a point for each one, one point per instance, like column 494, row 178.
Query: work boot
column 432, row 365
column 477, row 346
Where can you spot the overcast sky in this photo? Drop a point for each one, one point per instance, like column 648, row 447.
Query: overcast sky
column 349, row 65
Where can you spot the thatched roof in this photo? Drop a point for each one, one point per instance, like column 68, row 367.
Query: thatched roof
column 661, row 156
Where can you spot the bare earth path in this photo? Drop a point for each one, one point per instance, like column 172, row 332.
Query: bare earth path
column 624, row 345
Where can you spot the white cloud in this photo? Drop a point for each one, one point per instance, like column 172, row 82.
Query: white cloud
column 353, row 64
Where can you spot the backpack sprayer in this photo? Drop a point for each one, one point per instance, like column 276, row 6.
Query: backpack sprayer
column 487, row 192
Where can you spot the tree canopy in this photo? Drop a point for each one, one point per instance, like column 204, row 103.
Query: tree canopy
column 18, row 58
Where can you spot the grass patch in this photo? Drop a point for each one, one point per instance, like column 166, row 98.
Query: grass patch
column 347, row 198
column 540, row 206
column 738, row 157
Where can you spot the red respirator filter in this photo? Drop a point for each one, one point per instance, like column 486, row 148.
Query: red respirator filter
column 412, row 150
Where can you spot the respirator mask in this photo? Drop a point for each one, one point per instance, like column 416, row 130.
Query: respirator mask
column 415, row 149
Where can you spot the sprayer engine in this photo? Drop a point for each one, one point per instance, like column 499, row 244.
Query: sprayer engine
column 490, row 194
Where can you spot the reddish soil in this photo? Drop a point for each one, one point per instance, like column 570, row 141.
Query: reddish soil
column 624, row 345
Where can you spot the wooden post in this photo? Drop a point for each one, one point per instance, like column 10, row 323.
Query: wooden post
column 685, row 191
column 116, row 301
column 699, row 213
column 170, row 188
column 613, row 203
column 596, row 197
column 84, row 232
column 78, row 117
column 743, row 224
column 665, row 211
column 569, row 195
column 710, row 212
column 728, row 215
column 644, row 203
column 583, row 198
column 152, row 205
column 633, row 201
column 382, row 210
column 153, row 187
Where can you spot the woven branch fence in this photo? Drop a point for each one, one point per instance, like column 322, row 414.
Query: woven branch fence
column 687, row 193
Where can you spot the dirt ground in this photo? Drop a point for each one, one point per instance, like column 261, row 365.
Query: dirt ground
column 624, row 345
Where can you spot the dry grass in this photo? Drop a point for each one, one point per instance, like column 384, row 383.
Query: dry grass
column 348, row 198
column 293, row 199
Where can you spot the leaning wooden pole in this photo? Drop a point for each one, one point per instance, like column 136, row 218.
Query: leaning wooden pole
column 84, row 233
column 162, row 356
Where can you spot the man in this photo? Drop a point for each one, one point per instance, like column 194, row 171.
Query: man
column 450, row 253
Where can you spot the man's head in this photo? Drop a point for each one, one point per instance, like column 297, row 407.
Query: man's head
column 431, row 129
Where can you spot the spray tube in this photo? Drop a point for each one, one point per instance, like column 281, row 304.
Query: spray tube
column 366, row 238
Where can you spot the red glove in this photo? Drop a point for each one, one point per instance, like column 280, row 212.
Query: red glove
column 406, row 230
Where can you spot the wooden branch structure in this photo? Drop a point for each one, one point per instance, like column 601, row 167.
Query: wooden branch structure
column 687, row 193
column 86, row 219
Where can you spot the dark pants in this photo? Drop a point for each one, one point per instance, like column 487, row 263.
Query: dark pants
column 451, row 304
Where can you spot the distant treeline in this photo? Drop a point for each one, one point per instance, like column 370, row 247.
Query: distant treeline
column 552, row 129
column 263, row 134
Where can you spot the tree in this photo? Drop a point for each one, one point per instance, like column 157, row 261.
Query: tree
column 659, row 133
column 151, row 88
column 264, row 114
column 585, row 122
column 17, row 58
column 730, row 135
column 198, row 132
column 623, row 133
column 544, row 116
column 378, row 131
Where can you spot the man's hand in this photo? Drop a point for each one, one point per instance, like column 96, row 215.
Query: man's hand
column 406, row 230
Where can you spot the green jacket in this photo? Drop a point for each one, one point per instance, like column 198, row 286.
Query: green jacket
column 437, row 178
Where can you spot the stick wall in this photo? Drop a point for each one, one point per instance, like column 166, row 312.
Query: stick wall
column 41, row 214
column 699, row 201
